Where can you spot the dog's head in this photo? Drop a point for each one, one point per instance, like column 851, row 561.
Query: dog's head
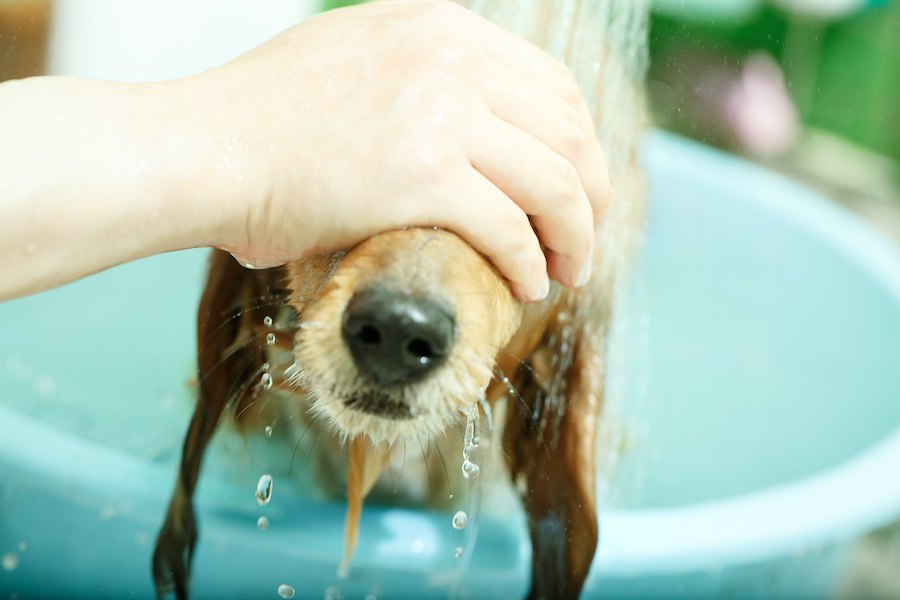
column 399, row 334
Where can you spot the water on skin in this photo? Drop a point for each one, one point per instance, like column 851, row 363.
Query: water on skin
column 264, row 489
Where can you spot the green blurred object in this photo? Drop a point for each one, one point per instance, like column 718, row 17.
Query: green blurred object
column 844, row 76
column 330, row 4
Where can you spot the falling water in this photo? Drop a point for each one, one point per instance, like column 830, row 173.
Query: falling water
column 264, row 489
column 604, row 43
column 470, row 443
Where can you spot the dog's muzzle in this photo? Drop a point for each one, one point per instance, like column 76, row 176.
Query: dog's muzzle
column 396, row 338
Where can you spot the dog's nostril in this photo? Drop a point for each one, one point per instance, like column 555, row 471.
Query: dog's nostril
column 421, row 350
column 396, row 338
column 369, row 336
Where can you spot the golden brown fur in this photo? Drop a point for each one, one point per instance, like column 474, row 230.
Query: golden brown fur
column 551, row 354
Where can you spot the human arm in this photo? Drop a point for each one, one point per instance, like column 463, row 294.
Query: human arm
column 357, row 121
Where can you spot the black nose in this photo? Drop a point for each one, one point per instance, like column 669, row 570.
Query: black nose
column 396, row 338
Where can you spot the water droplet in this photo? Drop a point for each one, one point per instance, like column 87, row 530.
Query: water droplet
column 470, row 470
column 460, row 520
column 264, row 489
column 458, row 552
column 262, row 523
column 451, row 497
column 266, row 381
column 286, row 591
column 267, row 321
column 334, row 593
column 268, row 431
column 10, row 561
column 270, row 339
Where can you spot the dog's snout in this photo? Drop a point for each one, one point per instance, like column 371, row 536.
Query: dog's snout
column 396, row 338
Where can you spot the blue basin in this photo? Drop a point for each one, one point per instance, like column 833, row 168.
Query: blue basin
column 753, row 396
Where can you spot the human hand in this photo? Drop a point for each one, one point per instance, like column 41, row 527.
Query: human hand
column 402, row 113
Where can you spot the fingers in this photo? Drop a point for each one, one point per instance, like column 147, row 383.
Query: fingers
column 566, row 129
column 545, row 186
column 501, row 232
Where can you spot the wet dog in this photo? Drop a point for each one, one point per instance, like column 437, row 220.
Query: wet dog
column 396, row 338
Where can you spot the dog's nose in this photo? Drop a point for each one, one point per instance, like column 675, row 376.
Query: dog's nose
column 396, row 338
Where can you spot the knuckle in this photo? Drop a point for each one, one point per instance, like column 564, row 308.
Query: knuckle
column 521, row 235
column 574, row 140
column 569, row 87
column 569, row 182
column 450, row 56
column 431, row 164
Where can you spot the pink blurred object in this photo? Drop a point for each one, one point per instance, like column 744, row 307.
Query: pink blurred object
column 759, row 110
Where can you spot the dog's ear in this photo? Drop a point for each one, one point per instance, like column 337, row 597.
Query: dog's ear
column 550, row 445
column 228, row 356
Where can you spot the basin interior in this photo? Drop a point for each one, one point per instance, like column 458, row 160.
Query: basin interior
column 756, row 342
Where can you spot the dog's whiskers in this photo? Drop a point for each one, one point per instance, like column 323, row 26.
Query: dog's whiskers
column 231, row 352
column 312, row 421
column 444, row 466
column 425, row 461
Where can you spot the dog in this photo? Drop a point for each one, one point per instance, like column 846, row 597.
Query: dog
column 394, row 339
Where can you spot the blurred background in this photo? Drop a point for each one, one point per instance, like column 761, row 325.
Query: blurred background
column 808, row 88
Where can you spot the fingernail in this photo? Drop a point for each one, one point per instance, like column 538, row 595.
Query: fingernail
column 542, row 290
column 585, row 274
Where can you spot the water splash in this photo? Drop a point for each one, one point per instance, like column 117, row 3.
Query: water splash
column 264, row 489
column 470, row 443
